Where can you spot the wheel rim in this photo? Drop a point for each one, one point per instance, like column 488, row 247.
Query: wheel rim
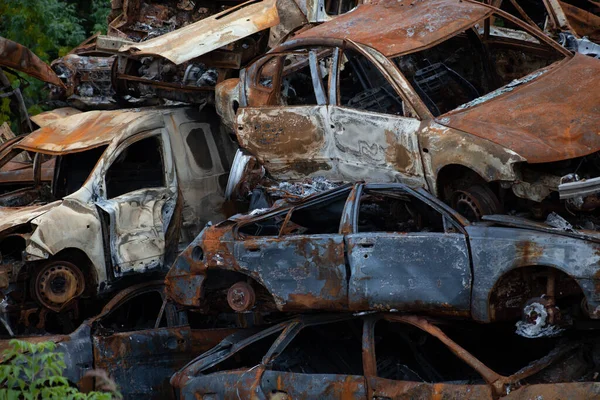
column 241, row 297
column 468, row 206
column 58, row 283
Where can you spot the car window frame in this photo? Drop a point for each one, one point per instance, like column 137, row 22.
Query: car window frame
column 288, row 210
column 252, row 76
column 115, row 304
column 455, row 219
column 122, row 146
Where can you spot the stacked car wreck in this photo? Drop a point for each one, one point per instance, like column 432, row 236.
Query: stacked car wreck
column 325, row 199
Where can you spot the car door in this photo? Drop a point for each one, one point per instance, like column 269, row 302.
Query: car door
column 322, row 361
column 140, row 345
column 406, row 254
column 404, row 362
column 285, row 119
column 298, row 255
column 373, row 129
column 138, row 198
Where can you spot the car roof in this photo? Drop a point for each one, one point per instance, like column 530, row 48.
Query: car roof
column 84, row 131
column 396, row 27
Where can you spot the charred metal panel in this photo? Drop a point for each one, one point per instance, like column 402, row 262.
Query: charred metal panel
column 378, row 146
column 313, row 386
column 78, row 351
column 409, row 271
column 84, row 131
column 142, row 362
column 392, row 389
column 442, row 146
column 183, row 281
column 290, row 141
column 544, row 120
column 394, row 29
column 300, row 271
column 498, row 250
column 20, row 58
column 210, row 33
column 223, row 385
column 138, row 222
column 74, row 224
column 575, row 390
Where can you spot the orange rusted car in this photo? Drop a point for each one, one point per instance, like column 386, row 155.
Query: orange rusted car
column 427, row 92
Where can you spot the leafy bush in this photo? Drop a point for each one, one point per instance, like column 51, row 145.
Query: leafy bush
column 35, row 371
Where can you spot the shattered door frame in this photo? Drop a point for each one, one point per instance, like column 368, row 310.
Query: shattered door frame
column 121, row 263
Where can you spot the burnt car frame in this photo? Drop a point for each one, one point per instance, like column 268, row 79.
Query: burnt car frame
column 401, row 103
column 385, row 247
column 351, row 364
column 128, row 186
column 138, row 338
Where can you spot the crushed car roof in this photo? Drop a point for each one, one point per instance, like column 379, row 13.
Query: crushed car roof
column 80, row 132
column 397, row 27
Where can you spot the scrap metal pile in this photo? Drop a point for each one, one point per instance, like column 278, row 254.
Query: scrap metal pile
column 281, row 199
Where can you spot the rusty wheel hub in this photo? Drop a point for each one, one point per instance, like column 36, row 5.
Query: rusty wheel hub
column 475, row 202
column 57, row 283
column 241, row 297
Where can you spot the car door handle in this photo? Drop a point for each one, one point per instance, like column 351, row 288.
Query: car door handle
column 253, row 249
column 366, row 245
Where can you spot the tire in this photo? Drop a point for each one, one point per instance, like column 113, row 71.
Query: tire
column 475, row 202
column 56, row 284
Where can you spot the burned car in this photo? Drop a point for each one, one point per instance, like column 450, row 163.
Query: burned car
column 424, row 93
column 373, row 357
column 138, row 339
column 127, row 187
column 388, row 247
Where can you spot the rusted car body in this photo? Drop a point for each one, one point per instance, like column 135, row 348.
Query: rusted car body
column 137, row 340
column 388, row 247
column 359, row 362
column 127, row 187
column 566, row 21
column 171, row 49
column 399, row 103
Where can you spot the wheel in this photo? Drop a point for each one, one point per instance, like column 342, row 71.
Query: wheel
column 475, row 202
column 241, row 297
column 57, row 283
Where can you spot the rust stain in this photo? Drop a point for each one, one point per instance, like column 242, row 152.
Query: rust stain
column 529, row 252
column 398, row 155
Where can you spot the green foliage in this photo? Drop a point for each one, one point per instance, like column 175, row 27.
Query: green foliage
column 49, row 28
column 35, row 371
column 99, row 15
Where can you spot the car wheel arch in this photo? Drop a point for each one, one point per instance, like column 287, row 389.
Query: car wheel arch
column 523, row 271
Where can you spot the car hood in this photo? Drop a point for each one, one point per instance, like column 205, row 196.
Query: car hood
column 520, row 222
column 11, row 217
column 548, row 116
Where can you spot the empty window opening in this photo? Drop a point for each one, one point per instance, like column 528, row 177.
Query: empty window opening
column 406, row 353
column 324, row 349
column 364, row 87
column 138, row 313
column 305, row 77
column 323, row 217
column 338, row 7
column 139, row 166
column 74, row 170
column 463, row 68
column 395, row 211
column 196, row 141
